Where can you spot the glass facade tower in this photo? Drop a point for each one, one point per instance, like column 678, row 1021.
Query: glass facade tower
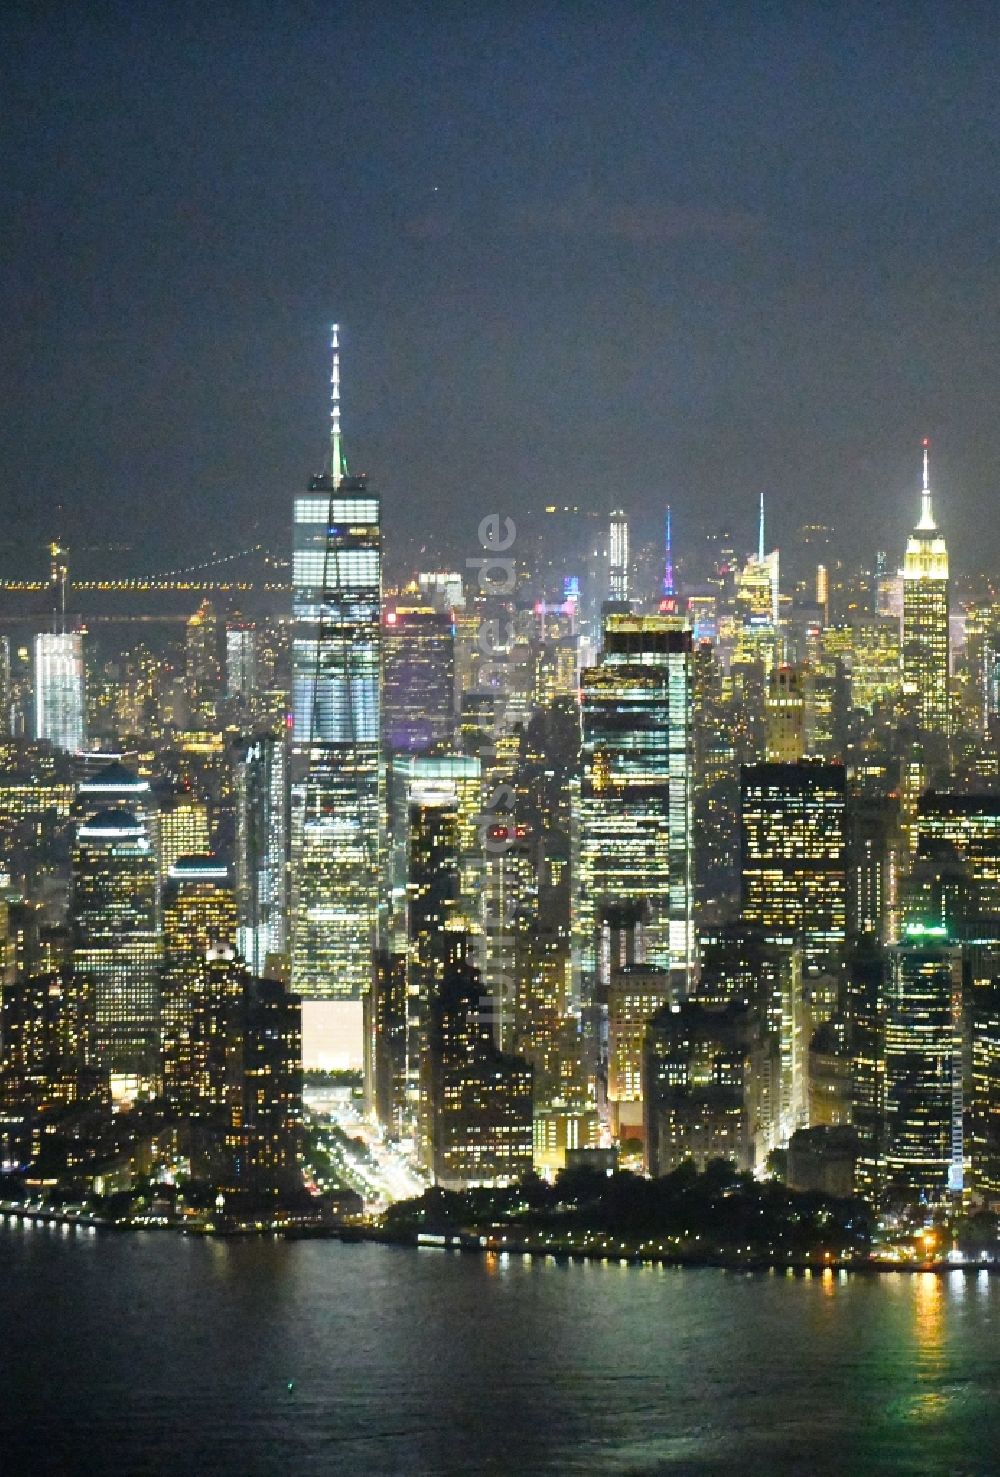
column 116, row 940
column 262, row 851
column 923, row 1067
column 336, row 720
column 60, row 714
column 632, row 811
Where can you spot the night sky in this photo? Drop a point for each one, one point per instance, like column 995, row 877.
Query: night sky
column 610, row 253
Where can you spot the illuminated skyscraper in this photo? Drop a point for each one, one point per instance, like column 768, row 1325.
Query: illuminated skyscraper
column 181, row 829
column 7, row 720
column 241, row 659
column 874, row 662
column 632, row 813
column 984, row 1118
column 113, row 786
column 925, row 621
column 113, row 914
column 419, row 655
column 786, row 716
column 262, row 851
column 46, row 1045
column 479, row 1098
column 60, row 712
column 418, row 779
column 336, row 702
column 971, row 824
column 873, row 847
column 199, row 907
column 247, row 1083
column 794, row 856
column 47, row 1036
column 618, row 558
column 923, row 1067
column 199, row 914
column 386, row 1027
column 635, row 994
column 202, row 664
column 432, row 916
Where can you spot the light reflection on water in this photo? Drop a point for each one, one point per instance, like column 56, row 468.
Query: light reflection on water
column 452, row 1363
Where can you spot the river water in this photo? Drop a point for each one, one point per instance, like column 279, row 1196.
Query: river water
column 155, row 1353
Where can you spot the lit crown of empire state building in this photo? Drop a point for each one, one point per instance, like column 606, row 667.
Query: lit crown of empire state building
column 336, row 703
column 925, row 620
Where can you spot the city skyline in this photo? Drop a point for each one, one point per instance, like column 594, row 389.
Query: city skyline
column 500, row 792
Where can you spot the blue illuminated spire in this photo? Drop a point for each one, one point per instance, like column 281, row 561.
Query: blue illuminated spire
column 668, row 567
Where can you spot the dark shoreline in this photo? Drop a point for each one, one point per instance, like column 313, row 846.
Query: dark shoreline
column 455, row 1242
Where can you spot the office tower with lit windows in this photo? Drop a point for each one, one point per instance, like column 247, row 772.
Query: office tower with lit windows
column 763, row 969
column 434, row 941
column 925, row 638
column 793, row 854
column 864, row 1006
column 826, row 693
column 984, row 1115
column 199, row 908
column 413, row 779
column 618, row 559
column 923, row 1132
column 265, row 1133
column 199, row 915
column 203, row 661
column 986, row 655
column 479, row 1098
column 785, row 716
column 47, row 1040
column 418, row 646
column 7, row 705
column 971, row 825
column 542, row 998
column 336, row 702
column 262, row 850
column 632, row 820
column 247, row 1085
column 241, row 660
column 636, row 993
column 60, row 705
column 510, row 893
column 557, row 663
column 46, row 1054
column 874, row 663
column 116, row 942
column 386, row 1030
column 181, row 828
column 111, row 786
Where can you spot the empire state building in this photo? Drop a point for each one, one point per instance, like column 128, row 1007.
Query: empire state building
column 925, row 621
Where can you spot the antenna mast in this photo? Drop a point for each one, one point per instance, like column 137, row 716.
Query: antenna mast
column 338, row 466
column 926, row 511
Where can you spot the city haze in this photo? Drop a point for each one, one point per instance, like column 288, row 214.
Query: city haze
column 583, row 254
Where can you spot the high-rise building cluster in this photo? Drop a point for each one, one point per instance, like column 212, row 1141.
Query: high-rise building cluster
column 595, row 846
